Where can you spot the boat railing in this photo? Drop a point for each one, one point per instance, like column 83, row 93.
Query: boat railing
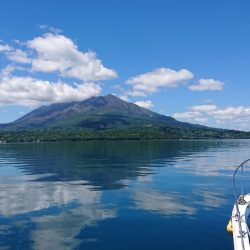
column 241, row 168
column 237, row 200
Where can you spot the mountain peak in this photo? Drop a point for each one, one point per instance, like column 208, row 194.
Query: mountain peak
column 102, row 112
column 111, row 97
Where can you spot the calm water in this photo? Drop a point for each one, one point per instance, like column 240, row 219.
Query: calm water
column 118, row 195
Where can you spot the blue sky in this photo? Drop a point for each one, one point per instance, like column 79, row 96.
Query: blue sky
column 188, row 59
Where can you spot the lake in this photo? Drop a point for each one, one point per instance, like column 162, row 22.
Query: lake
column 118, row 195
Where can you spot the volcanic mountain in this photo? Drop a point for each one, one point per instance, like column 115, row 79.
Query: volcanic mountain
column 95, row 113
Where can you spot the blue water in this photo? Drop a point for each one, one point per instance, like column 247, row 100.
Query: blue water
column 118, row 195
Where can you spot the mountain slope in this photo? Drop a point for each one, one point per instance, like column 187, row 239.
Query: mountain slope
column 96, row 113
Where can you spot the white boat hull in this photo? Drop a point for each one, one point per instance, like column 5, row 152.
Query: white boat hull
column 241, row 242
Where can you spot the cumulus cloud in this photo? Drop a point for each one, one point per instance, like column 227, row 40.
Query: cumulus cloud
column 18, row 56
column 57, row 53
column 230, row 113
column 207, row 84
column 49, row 53
column 150, row 82
column 145, row 104
column 191, row 116
column 28, row 91
column 231, row 117
column 5, row 47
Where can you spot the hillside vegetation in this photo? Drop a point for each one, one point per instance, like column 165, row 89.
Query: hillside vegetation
column 104, row 118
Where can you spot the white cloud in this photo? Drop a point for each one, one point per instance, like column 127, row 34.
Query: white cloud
column 19, row 56
column 6, row 71
column 145, row 104
column 237, row 117
column 29, row 91
column 137, row 93
column 201, row 120
column 49, row 53
column 124, row 98
column 204, row 108
column 150, row 82
column 231, row 113
column 49, row 28
column 57, row 53
column 16, row 55
column 190, row 115
column 5, row 47
column 207, row 84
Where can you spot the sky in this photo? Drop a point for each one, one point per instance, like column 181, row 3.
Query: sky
column 189, row 59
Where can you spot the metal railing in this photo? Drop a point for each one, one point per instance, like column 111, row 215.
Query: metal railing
column 241, row 167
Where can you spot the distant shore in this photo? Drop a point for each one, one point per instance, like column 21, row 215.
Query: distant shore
column 37, row 136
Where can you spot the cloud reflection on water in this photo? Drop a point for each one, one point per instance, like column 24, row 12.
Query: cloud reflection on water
column 28, row 197
column 62, row 189
column 213, row 162
column 61, row 231
column 58, row 227
column 162, row 203
column 209, row 199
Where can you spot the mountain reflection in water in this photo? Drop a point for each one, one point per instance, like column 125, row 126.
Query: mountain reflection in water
column 117, row 194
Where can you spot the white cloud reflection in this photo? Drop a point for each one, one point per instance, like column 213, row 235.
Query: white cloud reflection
column 34, row 196
column 63, row 210
column 161, row 203
column 215, row 161
column 60, row 231
column 209, row 199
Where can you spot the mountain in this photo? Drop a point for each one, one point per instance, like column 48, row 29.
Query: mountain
column 96, row 113
column 104, row 118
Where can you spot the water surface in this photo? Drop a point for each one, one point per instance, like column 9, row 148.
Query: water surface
column 118, row 194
